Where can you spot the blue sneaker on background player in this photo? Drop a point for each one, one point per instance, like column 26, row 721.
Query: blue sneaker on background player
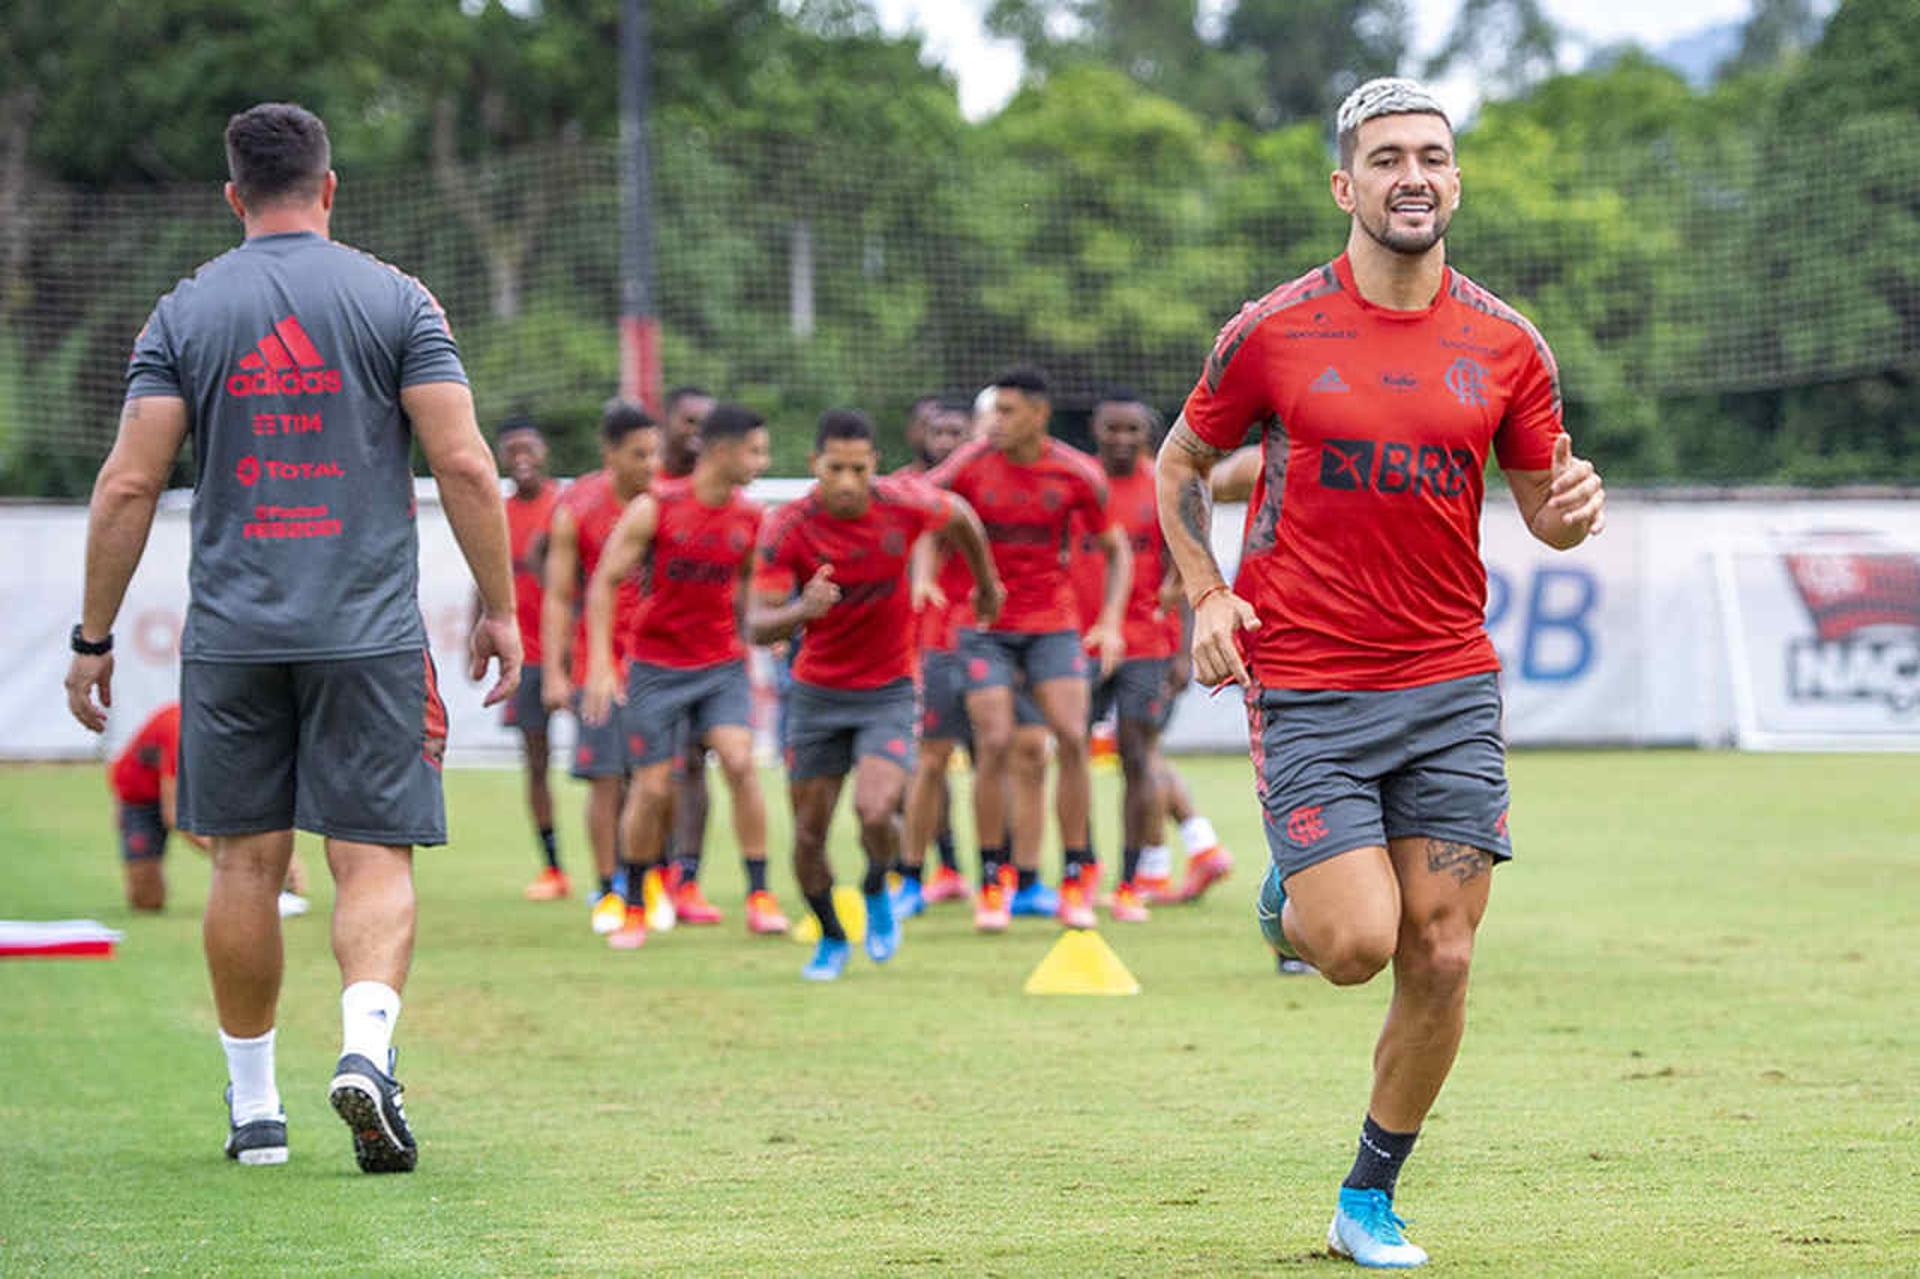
column 829, row 960
column 883, row 930
column 910, row 900
column 1036, row 899
column 1273, row 900
column 1366, row 1230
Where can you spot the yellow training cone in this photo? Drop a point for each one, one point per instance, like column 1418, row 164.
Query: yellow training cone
column 852, row 909
column 1080, row 963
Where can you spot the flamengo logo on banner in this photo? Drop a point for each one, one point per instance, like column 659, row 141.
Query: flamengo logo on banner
column 284, row 362
column 1866, row 614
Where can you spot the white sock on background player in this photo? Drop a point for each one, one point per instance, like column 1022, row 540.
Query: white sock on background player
column 1198, row 835
column 250, row 1071
column 368, row 1010
column 1156, row 862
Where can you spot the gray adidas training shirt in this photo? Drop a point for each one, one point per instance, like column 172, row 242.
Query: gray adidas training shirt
column 290, row 352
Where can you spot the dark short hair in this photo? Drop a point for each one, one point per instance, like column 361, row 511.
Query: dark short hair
column 680, row 393
column 519, row 424
column 1026, row 379
column 621, row 418
column 729, row 422
column 842, row 424
column 276, row 151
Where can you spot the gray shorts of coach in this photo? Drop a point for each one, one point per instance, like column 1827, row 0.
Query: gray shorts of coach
column 829, row 728
column 349, row 749
column 668, row 708
column 1137, row 691
column 1343, row 770
column 525, row 711
column 943, row 700
column 599, row 750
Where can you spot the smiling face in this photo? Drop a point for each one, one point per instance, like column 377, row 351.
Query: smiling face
column 1120, row 434
column 1401, row 184
column 523, row 456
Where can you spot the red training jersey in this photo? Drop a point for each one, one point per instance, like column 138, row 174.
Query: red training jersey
column 153, row 755
column 527, row 523
column 1362, row 543
column 596, row 508
column 866, row 639
column 1027, row 511
column 1149, row 632
column 687, row 619
column 936, row 627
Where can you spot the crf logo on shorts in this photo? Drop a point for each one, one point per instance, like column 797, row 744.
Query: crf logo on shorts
column 1305, row 825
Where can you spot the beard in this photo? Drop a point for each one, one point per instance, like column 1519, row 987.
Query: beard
column 1410, row 243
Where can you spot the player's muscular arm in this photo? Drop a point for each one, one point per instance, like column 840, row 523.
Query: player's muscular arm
column 771, row 617
column 1107, row 639
column 118, row 520
column 1562, row 506
column 556, row 608
column 967, row 534
column 469, row 483
column 1180, row 476
column 626, row 547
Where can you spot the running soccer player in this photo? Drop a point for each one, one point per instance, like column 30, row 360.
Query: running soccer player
column 1357, row 621
column 1027, row 487
column 144, row 778
column 852, row 709
column 583, row 519
column 688, row 677
column 306, row 371
column 523, row 456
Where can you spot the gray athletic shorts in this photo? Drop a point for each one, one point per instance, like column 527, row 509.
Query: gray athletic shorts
column 943, row 700
column 829, row 728
column 1343, row 770
column 1137, row 690
column 349, row 749
column 998, row 659
column 525, row 711
column 668, row 708
column 143, row 832
column 599, row 750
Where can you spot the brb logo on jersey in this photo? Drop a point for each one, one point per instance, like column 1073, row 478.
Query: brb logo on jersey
column 1866, row 616
column 1394, row 466
column 284, row 362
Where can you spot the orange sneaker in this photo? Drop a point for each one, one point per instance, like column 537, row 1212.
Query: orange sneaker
column 1127, row 907
column 763, row 913
column 691, row 905
column 551, row 885
column 991, row 912
column 1205, row 869
column 945, row 885
column 632, row 934
column 1154, row 888
column 1076, row 904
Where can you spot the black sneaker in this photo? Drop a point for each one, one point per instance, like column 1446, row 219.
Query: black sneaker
column 258, row 1142
column 369, row 1101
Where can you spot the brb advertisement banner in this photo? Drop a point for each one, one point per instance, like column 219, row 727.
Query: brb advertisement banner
column 1770, row 624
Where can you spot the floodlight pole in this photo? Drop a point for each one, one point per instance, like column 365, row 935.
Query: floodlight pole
column 639, row 326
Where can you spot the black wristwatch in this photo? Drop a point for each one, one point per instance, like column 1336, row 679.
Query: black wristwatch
column 91, row 648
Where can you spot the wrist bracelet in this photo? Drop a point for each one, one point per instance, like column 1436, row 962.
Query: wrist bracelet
column 1213, row 590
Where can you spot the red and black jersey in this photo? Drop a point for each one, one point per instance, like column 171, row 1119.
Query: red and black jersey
column 150, row 757
column 596, row 509
column 1133, row 508
column 688, row 618
column 527, row 522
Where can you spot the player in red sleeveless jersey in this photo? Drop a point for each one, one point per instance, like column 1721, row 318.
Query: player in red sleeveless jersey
column 1027, row 487
column 687, row 678
column 583, row 519
column 1380, row 383
column 522, row 451
column 848, row 545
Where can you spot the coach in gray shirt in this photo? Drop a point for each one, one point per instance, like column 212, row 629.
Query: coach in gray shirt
column 304, row 370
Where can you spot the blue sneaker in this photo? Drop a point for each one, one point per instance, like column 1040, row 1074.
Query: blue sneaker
column 829, row 960
column 883, row 930
column 1273, row 899
column 1036, row 899
column 911, row 900
column 1366, row 1231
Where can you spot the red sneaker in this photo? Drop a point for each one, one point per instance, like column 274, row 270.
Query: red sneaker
column 1076, row 904
column 763, row 913
column 1127, row 906
column 945, row 885
column 1205, row 869
column 691, row 905
column 551, row 885
column 1154, row 888
column 632, row 934
column 991, row 912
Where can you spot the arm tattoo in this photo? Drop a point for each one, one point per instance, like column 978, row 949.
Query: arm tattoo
column 1194, row 446
column 1196, row 510
column 1463, row 861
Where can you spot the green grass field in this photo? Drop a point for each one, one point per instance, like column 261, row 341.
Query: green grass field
column 1692, row 1050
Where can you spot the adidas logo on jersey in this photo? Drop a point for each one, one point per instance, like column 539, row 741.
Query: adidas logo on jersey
column 284, row 362
column 1329, row 383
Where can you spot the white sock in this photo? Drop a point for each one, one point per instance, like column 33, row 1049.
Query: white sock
column 1156, row 861
column 1197, row 834
column 368, row 1010
column 250, row 1071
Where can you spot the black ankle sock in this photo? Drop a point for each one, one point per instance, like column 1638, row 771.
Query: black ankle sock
column 1129, row 864
column 821, row 904
column 756, row 874
column 606, row 885
column 875, row 881
column 1026, row 879
column 948, row 857
column 992, row 858
column 1076, row 859
column 636, row 881
column 689, row 868
column 1377, row 1165
column 915, row 873
column 549, row 849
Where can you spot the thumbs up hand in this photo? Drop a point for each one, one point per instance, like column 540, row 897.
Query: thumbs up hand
column 819, row 594
column 1576, row 505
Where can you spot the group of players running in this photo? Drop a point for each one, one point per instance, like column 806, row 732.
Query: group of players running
column 1000, row 593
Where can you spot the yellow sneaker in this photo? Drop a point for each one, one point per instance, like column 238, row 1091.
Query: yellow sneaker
column 609, row 912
